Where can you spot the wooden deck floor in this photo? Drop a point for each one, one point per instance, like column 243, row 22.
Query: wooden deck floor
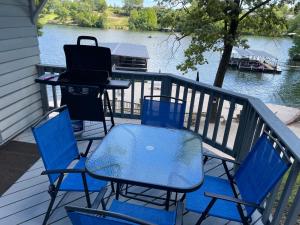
column 27, row 200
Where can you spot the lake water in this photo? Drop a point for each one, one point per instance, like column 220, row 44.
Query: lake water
column 165, row 54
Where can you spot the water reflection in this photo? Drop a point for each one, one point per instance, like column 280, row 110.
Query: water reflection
column 281, row 88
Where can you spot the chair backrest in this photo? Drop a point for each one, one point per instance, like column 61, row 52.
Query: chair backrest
column 262, row 168
column 56, row 142
column 85, row 219
column 84, row 216
column 163, row 111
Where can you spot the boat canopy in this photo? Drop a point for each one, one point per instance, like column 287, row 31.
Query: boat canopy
column 248, row 53
column 127, row 50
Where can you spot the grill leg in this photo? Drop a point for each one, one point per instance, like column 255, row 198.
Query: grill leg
column 110, row 110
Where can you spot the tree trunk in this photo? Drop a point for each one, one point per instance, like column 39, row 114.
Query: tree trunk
column 223, row 65
column 229, row 39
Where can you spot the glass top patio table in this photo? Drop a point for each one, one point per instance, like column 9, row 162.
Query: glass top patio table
column 163, row 158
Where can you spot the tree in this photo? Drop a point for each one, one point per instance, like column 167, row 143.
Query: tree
column 294, row 27
column 132, row 4
column 297, row 8
column 144, row 19
column 217, row 25
column 294, row 51
column 100, row 5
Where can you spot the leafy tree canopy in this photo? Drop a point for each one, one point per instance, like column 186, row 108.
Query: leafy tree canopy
column 218, row 25
column 144, row 19
column 132, row 4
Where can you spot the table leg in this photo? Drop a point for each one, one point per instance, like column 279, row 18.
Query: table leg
column 168, row 199
column 118, row 191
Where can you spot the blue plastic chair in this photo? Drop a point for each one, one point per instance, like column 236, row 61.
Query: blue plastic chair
column 161, row 111
column 238, row 197
column 121, row 213
column 58, row 149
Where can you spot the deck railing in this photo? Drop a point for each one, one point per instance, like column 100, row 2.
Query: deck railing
column 227, row 121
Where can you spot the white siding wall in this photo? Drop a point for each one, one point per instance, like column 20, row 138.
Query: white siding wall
column 20, row 99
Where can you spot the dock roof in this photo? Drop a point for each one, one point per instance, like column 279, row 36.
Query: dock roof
column 126, row 49
column 253, row 53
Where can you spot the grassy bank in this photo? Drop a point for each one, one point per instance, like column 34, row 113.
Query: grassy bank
column 113, row 21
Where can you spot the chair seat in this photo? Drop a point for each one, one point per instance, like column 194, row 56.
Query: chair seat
column 73, row 181
column 84, row 219
column 156, row 216
column 197, row 201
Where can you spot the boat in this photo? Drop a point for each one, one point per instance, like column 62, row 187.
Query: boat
column 254, row 61
column 129, row 57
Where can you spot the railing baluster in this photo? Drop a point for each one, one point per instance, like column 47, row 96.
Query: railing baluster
column 191, row 109
column 122, row 103
column 142, row 90
column 185, row 92
column 286, row 193
column 199, row 112
column 177, row 91
column 44, row 94
column 54, row 96
column 218, row 117
column 238, row 142
column 228, row 124
column 114, row 101
column 208, row 113
column 152, row 86
column 132, row 98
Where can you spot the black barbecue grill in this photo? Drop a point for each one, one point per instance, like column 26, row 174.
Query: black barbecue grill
column 86, row 66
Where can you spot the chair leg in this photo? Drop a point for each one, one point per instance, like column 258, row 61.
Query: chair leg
column 204, row 214
column 53, row 193
column 49, row 209
column 112, row 186
column 87, row 194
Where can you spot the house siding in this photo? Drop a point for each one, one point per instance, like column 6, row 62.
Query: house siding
column 20, row 98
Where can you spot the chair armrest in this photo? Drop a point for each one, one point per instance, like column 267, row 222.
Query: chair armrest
column 232, row 199
column 89, row 139
column 106, row 214
column 46, row 172
column 221, row 158
column 179, row 213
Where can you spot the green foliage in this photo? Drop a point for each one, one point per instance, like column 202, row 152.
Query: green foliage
column 297, row 8
column 269, row 21
column 132, row 4
column 294, row 51
column 86, row 13
column 144, row 19
column 294, row 25
column 100, row 5
column 218, row 25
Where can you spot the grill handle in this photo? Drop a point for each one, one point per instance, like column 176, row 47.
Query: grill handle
column 87, row 38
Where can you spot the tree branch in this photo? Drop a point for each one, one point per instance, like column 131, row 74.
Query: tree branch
column 253, row 9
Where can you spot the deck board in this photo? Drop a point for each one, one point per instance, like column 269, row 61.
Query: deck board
column 27, row 200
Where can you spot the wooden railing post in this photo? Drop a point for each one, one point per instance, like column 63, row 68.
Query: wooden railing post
column 43, row 89
column 166, row 87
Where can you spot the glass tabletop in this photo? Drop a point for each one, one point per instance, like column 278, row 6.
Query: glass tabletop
column 156, row 157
